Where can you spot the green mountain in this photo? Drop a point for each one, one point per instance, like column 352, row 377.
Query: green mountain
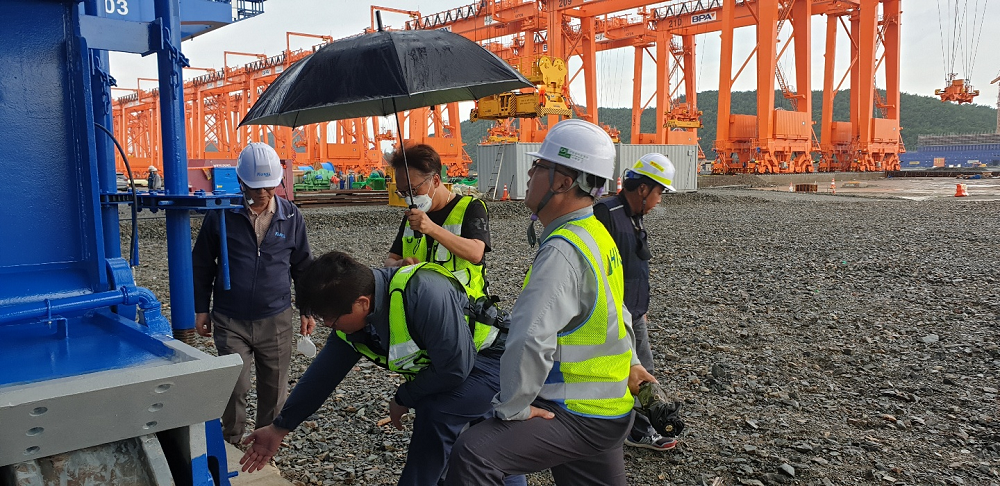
column 920, row 115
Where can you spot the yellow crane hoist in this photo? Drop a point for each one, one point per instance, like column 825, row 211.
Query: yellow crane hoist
column 549, row 77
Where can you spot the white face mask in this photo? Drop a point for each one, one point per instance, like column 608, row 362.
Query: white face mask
column 306, row 346
column 423, row 202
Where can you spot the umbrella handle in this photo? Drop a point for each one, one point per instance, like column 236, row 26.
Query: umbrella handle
column 402, row 149
column 416, row 234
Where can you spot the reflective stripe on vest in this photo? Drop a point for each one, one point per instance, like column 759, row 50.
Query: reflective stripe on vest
column 592, row 361
column 470, row 274
column 405, row 357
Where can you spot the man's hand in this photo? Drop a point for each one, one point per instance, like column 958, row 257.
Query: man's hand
column 402, row 262
column 396, row 412
column 203, row 324
column 540, row 412
column 264, row 443
column 308, row 325
column 638, row 375
column 420, row 222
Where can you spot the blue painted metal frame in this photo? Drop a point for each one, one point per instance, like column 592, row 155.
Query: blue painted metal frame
column 68, row 301
column 217, row 463
column 157, row 200
column 199, row 16
column 953, row 155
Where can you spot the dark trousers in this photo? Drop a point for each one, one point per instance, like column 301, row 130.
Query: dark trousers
column 439, row 419
column 641, row 427
column 267, row 345
column 579, row 450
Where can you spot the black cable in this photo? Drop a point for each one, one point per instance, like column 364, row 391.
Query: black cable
column 134, row 244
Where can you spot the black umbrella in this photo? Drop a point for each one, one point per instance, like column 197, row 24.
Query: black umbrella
column 382, row 73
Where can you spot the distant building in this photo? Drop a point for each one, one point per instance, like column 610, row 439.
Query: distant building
column 958, row 151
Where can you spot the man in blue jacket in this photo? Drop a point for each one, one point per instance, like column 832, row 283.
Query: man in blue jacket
column 417, row 321
column 622, row 214
column 253, row 318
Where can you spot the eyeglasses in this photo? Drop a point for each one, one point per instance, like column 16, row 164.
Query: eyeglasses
column 403, row 194
column 247, row 188
column 536, row 164
column 333, row 324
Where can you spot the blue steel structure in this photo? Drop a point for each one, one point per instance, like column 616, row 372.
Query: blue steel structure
column 86, row 356
column 200, row 16
column 960, row 156
column 956, row 151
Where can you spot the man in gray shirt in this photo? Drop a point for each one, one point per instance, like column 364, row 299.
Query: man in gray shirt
column 568, row 369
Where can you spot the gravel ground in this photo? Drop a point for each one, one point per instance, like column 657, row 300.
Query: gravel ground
column 813, row 339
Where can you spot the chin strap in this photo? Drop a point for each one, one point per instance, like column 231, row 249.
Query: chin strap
column 532, row 235
column 246, row 195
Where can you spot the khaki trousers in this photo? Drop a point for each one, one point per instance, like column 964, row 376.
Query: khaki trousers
column 267, row 345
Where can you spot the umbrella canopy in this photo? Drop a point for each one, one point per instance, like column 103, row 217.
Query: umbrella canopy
column 381, row 73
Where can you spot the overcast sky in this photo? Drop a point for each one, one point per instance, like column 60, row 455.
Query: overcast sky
column 923, row 66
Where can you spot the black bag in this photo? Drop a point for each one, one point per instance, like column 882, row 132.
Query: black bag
column 484, row 310
column 663, row 415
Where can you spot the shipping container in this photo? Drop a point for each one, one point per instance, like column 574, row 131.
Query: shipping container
column 742, row 127
column 792, row 125
column 841, row 132
column 514, row 164
column 885, row 130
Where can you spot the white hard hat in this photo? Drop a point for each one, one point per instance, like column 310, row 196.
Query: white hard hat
column 655, row 166
column 259, row 166
column 152, row 168
column 579, row 145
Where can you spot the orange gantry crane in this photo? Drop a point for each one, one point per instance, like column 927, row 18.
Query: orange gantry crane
column 217, row 101
column 959, row 43
column 538, row 36
column 772, row 140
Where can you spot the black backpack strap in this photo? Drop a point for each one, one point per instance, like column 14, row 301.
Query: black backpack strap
column 484, row 310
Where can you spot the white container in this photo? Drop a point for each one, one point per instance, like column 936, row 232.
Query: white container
column 515, row 164
column 513, row 168
column 684, row 158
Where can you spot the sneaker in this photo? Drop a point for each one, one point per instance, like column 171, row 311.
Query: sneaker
column 654, row 442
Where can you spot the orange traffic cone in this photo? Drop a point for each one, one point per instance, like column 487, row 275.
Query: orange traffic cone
column 833, row 185
column 961, row 190
column 506, row 196
column 619, row 184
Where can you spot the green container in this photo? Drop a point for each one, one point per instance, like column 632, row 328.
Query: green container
column 376, row 182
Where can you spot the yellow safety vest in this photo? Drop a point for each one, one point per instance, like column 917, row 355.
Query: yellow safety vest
column 471, row 275
column 405, row 357
column 592, row 361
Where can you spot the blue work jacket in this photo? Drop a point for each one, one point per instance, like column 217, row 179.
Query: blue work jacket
column 260, row 276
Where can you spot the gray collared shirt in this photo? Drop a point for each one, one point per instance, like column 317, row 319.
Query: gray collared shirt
column 559, row 295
